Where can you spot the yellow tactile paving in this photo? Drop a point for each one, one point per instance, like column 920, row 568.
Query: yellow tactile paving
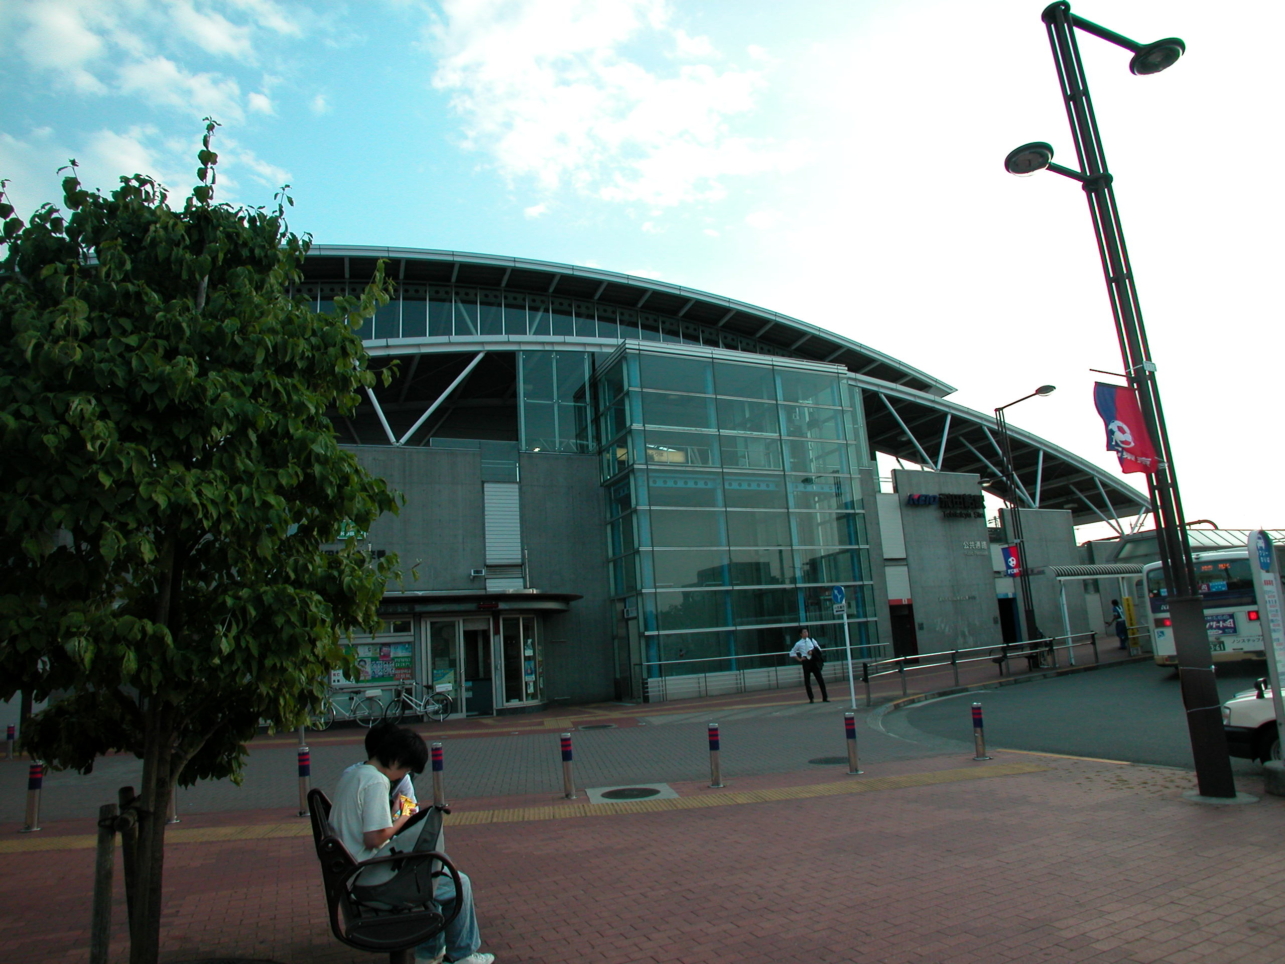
column 302, row 828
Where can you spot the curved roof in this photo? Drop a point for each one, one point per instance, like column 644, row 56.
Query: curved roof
column 794, row 337
column 949, row 437
column 906, row 414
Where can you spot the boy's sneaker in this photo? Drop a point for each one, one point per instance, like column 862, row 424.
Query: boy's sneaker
column 477, row 957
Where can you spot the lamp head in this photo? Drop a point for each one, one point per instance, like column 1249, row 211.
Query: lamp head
column 1045, row 390
column 1155, row 57
column 1029, row 158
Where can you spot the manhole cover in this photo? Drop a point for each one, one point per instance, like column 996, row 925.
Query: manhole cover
column 597, row 726
column 630, row 793
column 829, row 761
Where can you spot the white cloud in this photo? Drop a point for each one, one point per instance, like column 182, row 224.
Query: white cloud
column 549, row 90
column 271, row 16
column 136, row 47
column 161, row 81
column 710, row 232
column 262, row 171
column 535, row 210
column 210, row 31
column 763, row 220
column 58, row 38
column 319, row 105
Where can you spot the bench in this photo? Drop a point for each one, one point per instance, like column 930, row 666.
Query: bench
column 1033, row 652
column 373, row 925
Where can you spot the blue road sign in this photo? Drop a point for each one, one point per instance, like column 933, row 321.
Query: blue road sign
column 838, row 595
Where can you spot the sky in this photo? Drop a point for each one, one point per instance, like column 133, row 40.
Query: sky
column 841, row 162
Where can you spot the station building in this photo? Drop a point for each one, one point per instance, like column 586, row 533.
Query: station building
column 618, row 488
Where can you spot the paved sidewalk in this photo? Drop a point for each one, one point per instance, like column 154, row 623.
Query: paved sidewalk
column 926, row 857
column 1024, row 858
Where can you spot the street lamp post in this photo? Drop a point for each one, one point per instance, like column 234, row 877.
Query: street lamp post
column 1195, row 663
column 1015, row 513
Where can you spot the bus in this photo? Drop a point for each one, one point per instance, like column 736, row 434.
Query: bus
column 1226, row 585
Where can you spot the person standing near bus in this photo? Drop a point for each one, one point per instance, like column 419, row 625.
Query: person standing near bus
column 809, row 655
column 1121, row 627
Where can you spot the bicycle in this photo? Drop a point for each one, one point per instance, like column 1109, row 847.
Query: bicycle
column 363, row 707
column 434, row 706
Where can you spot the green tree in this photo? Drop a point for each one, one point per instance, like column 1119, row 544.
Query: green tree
column 170, row 479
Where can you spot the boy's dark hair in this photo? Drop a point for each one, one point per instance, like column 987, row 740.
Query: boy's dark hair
column 394, row 745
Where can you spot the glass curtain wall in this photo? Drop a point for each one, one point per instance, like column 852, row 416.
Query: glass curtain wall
column 433, row 311
column 734, row 506
column 554, row 411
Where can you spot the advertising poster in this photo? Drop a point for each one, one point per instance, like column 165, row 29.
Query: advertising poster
column 379, row 664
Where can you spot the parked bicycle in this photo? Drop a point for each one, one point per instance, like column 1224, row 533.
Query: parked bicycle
column 434, row 706
column 364, row 707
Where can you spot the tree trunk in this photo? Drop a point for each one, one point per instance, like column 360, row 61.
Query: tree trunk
column 157, row 785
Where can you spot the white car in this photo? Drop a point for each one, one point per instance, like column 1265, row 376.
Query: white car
column 1250, row 724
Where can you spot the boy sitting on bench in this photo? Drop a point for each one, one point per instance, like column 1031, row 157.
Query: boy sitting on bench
column 363, row 820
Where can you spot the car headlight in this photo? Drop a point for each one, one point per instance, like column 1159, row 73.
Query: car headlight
column 1226, row 715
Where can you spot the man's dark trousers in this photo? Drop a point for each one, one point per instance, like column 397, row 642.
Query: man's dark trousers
column 813, row 667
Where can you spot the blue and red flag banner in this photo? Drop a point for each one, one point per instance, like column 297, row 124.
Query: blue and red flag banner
column 1012, row 560
column 1126, row 432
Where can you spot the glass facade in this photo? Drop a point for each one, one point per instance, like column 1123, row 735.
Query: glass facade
column 451, row 311
column 554, row 410
column 733, row 504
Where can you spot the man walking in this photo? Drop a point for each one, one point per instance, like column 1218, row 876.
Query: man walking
column 811, row 658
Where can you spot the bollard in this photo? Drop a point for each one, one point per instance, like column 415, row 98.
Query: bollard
column 439, row 794
column 901, row 671
column 305, row 779
column 568, row 781
column 173, row 814
column 100, row 925
column 9, row 743
column 35, row 780
column 850, row 731
column 715, row 770
column 865, row 678
column 979, row 736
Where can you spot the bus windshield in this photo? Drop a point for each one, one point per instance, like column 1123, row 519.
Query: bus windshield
column 1221, row 582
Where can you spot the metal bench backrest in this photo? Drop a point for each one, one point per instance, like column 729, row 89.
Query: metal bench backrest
column 356, row 924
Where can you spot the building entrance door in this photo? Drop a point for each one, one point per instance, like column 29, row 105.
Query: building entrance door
column 522, row 662
column 479, row 682
column 444, row 661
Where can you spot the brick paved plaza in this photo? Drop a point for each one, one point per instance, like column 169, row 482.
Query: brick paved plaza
column 927, row 856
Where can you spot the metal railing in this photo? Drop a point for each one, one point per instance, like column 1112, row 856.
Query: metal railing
column 691, row 682
column 1039, row 653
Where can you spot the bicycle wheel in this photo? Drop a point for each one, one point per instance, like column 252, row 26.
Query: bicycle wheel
column 395, row 711
column 439, row 707
column 323, row 717
column 366, row 710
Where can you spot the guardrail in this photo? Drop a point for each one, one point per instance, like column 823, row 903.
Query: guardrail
column 1051, row 652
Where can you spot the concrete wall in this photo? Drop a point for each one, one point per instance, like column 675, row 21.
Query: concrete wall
column 563, row 531
column 951, row 580
column 868, row 481
column 1050, row 541
column 440, row 533
column 440, row 528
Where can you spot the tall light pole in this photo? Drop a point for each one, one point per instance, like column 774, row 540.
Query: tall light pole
column 1195, row 663
column 1015, row 513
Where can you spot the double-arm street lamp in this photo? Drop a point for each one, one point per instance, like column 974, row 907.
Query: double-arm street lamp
column 1015, row 513
column 1199, row 692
